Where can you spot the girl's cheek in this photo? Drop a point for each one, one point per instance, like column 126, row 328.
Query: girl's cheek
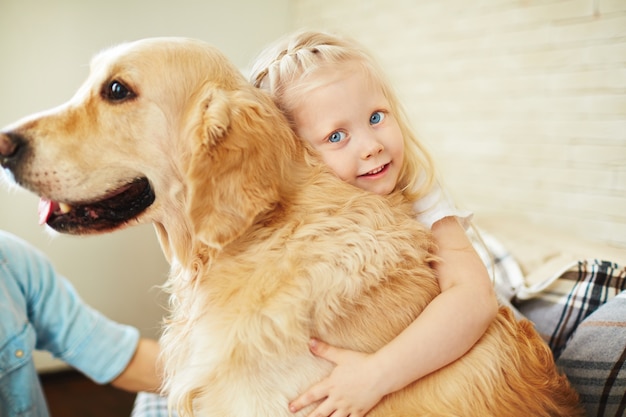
column 340, row 172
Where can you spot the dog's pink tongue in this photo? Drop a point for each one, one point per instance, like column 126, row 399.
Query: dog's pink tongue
column 45, row 209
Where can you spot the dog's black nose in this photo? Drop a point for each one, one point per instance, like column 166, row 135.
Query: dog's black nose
column 10, row 147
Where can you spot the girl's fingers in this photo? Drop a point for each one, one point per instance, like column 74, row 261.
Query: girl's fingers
column 315, row 393
column 325, row 351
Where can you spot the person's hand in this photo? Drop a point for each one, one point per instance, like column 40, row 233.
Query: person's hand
column 350, row 390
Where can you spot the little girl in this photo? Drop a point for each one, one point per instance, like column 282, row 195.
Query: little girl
column 337, row 99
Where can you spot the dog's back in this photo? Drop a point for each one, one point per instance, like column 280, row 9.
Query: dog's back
column 329, row 261
column 347, row 267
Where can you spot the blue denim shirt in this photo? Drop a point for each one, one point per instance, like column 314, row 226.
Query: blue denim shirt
column 41, row 310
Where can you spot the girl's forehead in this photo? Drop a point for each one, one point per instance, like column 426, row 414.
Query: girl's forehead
column 325, row 75
column 330, row 74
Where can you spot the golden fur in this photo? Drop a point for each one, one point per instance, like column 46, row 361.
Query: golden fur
column 267, row 247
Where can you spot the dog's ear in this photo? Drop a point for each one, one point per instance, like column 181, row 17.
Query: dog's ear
column 215, row 113
column 232, row 175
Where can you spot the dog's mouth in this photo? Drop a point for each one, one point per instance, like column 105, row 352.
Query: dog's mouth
column 107, row 213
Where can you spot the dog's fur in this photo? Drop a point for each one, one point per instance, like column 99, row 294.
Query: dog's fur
column 267, row 247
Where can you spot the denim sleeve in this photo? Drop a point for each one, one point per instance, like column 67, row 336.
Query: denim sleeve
column 67, row 327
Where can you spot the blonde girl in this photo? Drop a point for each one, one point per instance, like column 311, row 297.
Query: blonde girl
column 336, row 97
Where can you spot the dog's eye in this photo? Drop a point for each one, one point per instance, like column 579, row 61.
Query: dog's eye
column 116, row 91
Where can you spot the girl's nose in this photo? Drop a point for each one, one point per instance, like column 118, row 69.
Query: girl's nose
column 371, row 147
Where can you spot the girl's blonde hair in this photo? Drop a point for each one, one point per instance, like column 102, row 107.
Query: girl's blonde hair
column 287, row 71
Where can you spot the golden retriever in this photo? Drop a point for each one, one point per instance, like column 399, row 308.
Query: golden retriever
column 267, row 247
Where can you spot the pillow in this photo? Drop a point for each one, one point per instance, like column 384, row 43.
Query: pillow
column 581, row 314
column 593, row 359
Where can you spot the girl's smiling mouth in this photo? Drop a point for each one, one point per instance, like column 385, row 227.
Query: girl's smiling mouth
column 375, row 171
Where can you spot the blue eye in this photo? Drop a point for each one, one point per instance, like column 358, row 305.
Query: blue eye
column 377, row 117
column 336, row 137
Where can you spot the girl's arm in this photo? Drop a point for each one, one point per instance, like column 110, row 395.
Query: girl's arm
column 449, row 326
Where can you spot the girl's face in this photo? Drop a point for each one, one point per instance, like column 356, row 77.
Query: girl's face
column 349, row 122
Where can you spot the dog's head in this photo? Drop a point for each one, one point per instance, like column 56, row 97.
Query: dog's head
column 163, row 130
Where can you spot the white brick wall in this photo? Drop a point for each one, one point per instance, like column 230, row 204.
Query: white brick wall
column 523, row 103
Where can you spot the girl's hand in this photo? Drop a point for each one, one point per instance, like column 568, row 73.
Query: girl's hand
column 352, row 388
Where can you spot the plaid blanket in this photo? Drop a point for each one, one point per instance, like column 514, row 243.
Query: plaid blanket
column 580, row 313
column 150, row 405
